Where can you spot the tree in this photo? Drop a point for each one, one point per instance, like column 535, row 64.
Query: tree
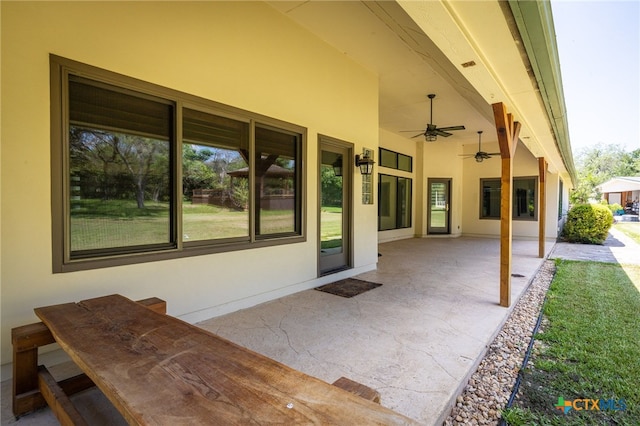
column 599, row 164
column 195, row 173
column 138, row 155
column 123, row 165
column 331, row 187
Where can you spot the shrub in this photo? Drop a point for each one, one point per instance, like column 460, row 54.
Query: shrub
column 615, row 208
column 588, row 223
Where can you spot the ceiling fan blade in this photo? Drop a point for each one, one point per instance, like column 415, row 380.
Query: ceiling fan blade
column 493, row 153
column 410, row 131
column 419, row 134
column 439, row 132
column 483, row 154
column 452, row 128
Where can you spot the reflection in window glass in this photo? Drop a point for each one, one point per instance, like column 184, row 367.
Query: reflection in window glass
column 331, row 218
column 405, row 163
column 387, row 195
column 523, row 198
column 394, row 208
column 118, row 170
column 404, row 203
column 215, row 177
column 560, row 195
column 490, row 194
column 121, row 195
column 388, row 159
column 276, row 182
column 394, row 160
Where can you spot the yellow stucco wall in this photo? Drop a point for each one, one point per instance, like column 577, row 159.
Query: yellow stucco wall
column 244, row 54
column 442, row 160
column 393, row 142
column 524, row 165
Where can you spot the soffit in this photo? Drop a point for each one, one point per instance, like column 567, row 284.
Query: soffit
column 418, row 48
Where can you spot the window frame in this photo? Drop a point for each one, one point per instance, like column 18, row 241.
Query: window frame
column 396, row 162
column 409, row 210
column 533, row 218
column 62, row 261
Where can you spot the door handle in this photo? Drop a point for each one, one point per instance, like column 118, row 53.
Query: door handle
column 447, row 207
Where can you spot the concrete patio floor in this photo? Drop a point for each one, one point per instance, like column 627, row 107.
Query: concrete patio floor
column 416, row 339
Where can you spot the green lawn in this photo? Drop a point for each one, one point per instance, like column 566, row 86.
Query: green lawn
column 631, row 229
column 97, row 224
column 590, row 349
column 331, row 227
column 438, row 218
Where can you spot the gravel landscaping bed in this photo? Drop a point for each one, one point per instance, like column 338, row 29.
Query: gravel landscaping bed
column 490, row 387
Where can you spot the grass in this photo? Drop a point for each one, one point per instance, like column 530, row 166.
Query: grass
column 437, row 218
column 331, row 227
column 631, row 229
column 97, row 224
column 590, row 348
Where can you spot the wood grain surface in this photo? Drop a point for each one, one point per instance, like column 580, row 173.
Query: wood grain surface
column 157, row 369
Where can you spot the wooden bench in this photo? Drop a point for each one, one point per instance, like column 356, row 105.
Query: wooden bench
column 29, row 377
column 358, row 389
column 156, row 369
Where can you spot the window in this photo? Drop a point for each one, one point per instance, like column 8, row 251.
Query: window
column 490, row 195
column 119, row 150
column 394, row 160
column 524, row 198
column 560, row 198
column 142, row 173
column 394, row 208
column 214, row 177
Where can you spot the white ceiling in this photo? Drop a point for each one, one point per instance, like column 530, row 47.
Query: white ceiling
column 386, row 41
column 418, row 47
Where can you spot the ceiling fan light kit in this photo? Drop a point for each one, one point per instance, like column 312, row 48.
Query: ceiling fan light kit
column 432, row 131
column 480, row 156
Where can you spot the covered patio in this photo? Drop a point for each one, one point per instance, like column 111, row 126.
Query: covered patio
column 416, row 339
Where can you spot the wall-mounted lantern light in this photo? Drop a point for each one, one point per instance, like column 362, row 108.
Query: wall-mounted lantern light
column 337, row 166
column 365, row 163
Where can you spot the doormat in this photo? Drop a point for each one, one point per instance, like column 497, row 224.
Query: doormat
column 348, row 287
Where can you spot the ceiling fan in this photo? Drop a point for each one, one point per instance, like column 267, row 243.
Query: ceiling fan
column 432, row 131
column 480, row 156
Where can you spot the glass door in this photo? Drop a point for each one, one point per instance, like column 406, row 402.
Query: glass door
column 334, row 212
column 439, row 199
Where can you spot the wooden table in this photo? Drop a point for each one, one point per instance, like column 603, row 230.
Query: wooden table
column 157, row 369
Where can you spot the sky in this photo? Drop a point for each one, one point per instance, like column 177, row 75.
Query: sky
column 599, row 50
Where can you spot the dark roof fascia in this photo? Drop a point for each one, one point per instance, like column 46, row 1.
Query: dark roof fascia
column 535, row 24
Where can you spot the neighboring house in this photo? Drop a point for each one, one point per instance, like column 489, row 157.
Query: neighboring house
column 624, row 190
column 111, row 110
